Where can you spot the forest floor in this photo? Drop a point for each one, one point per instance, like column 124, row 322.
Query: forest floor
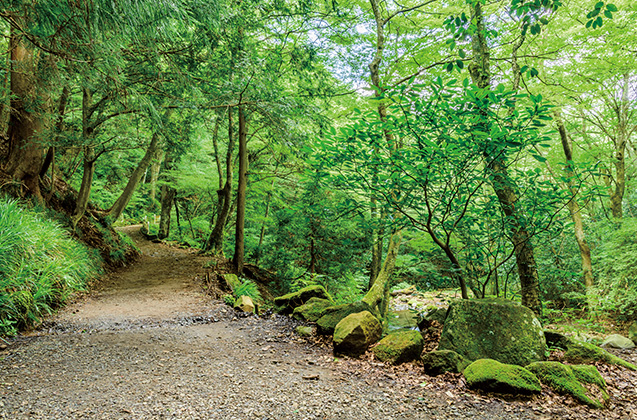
column 147, row 343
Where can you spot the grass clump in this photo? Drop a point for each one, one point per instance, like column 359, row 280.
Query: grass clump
column 40, row 266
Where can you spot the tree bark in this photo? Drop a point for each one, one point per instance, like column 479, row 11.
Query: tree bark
column 122, row 201
column 573, row 205
column 620, row 141
column 239, row 245
column 167, row 197
column 89, row 159
column 26, row 119
column 500, row 180
column 215, row 240
column 377, row 296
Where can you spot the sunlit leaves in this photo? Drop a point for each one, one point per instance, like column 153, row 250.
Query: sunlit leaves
column 594, row 17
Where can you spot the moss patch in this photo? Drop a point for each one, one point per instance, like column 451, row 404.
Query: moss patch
column 312, row 310
column 580, row 352
column 571, row 380
column 400, row 347
column 491, row 375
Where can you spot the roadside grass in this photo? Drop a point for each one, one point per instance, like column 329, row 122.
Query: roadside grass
column 40, row 266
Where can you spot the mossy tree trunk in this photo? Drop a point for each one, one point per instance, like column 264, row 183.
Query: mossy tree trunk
column 378, row 296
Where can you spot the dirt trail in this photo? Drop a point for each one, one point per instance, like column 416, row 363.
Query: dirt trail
column 148, row 345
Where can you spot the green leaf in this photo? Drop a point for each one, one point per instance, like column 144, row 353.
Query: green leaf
column 608, row 14
column 599, row 5
column 611, row 8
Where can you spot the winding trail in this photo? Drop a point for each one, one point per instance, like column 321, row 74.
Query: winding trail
column 147, row 344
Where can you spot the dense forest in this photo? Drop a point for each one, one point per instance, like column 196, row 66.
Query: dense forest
column 484, row 146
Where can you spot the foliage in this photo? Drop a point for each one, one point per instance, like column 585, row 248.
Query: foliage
column 40, row 266
column 248, row 288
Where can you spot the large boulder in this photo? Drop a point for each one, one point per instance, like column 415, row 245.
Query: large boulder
column 577, row 381
column 334, row 314
column 617, row 341
column 493, row 376
column 493, row 329
column 312, row 310
column 355, row 333
column 440, row 361
column 399, row 347
column 632, row 332
column 245, row 304
column 285, row 304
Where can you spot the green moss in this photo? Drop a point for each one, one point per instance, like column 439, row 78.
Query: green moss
column 491, row 375
column 569, row 380
column 493, row 329
column 356, row 332
column 580, row 352
column 285, row 304
column 440, row 361
column 304, row 331
column 400, row 347
column 334, row 314
column 312, row 310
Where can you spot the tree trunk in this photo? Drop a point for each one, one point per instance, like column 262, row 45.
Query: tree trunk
column 573, row 205
column 85, row 189
column 500, row 180
column 120, row 204
column 26, row 119
column 620, row 140
column 377, row 296
column 167, row 197
column 239, row 245
column 215, row 240
column 265, row 220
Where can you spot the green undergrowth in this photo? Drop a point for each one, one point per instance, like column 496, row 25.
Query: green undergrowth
column 40, row 266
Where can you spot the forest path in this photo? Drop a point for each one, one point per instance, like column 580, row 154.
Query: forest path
column 147, row 344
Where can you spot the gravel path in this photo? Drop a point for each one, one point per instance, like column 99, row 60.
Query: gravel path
column 149, row 345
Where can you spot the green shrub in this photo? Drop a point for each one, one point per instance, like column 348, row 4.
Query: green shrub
column 40, row 266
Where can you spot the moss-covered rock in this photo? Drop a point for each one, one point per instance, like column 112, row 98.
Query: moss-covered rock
column 493, row 329
column 231, row 280
column 312, row 310
column 580, row 352
column 355, row 333
column 285, row 304
column 399, row 347
column 334, row 314
column 432, row 314
column 617, row 341
column 491, row 375
column 570, row 380
column 245, row 304
column 304, row 331
column 556, row 340
column 440, row 361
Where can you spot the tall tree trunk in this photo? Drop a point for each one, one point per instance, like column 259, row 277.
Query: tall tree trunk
column 573, row 205
column 620, row 140
column 120, row 204
column 239, row 245
column 215, row 240
column 89, row 157
column 167, row 198
column 502, row 184
column 155, row 166
column 26, row 119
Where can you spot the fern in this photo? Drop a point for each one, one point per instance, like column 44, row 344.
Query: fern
column 248, row 288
